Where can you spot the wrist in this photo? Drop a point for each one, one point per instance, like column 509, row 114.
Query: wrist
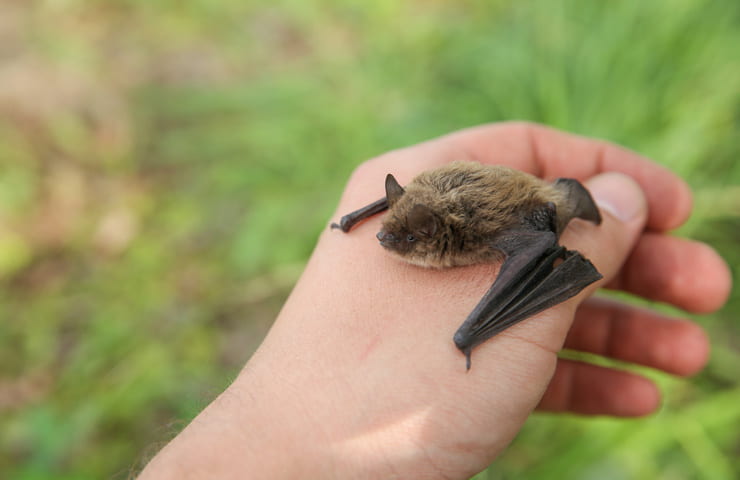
column 243, row 434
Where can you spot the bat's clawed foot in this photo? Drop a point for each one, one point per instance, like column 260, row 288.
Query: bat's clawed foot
column 344, row 225
column 351, row 219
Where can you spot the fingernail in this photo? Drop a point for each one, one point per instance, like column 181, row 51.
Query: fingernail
column 619, row 195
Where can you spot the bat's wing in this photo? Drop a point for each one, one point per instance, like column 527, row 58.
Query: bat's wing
column 351, row 219
column 537, row 274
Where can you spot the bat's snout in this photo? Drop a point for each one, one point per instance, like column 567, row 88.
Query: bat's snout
column 386, row 239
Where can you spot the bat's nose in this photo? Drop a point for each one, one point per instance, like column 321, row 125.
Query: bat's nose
column 385, row 237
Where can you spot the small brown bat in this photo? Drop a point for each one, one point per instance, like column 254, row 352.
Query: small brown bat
column 466, row 213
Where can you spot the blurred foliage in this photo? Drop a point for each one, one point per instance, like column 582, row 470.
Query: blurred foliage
column 165, row 168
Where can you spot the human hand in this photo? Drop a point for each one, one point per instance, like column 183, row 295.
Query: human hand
column 359, row 377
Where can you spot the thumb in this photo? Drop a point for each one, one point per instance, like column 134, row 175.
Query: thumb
column 624, row 213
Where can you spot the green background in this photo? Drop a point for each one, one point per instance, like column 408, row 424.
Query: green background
column 166, row 167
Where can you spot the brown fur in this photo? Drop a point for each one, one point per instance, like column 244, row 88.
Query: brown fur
column 467, row 204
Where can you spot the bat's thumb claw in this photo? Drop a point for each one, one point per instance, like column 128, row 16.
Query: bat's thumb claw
column 467, row 360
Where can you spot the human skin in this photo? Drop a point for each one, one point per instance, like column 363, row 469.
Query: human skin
column 359, row 377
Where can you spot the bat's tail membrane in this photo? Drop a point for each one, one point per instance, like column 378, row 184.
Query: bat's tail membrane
column 579, row 203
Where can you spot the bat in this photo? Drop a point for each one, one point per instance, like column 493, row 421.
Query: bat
column 466, row 213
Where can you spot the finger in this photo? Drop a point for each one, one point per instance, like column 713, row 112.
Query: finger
column 624, row 212
column 535, row 149
column 550, row 153
column 640, row 336
column 684, row 273
column 589, row 389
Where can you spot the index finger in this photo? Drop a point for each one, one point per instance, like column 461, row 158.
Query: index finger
column 539, row 150
column 549, row 153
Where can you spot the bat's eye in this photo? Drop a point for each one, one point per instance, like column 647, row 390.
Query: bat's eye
column 410, row 238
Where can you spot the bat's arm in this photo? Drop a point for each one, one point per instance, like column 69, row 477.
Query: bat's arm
column 529, row 282
column 522, row 250
column 351, row 219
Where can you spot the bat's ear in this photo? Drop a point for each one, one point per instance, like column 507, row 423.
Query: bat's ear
column 422, row 221
column 393, row 191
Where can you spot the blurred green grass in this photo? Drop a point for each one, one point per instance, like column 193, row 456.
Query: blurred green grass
column 165, row 168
